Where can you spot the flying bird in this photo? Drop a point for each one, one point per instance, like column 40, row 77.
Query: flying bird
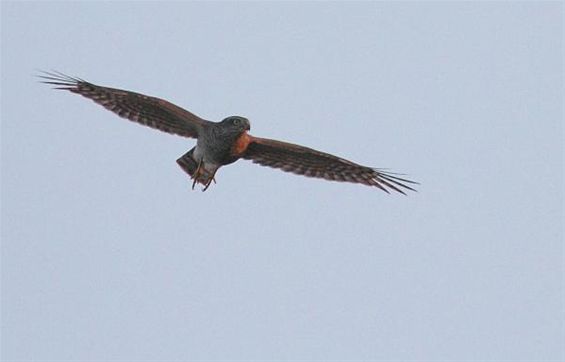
column 222, row 143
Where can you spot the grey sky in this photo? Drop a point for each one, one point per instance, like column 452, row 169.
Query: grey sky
column 108, row 255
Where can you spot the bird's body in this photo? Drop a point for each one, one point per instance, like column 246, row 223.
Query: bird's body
column 218, row 145
column 222, row 143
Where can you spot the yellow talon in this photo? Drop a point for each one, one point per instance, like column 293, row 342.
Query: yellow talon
column 196, row 174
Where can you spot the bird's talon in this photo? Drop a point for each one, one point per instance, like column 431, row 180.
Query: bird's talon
column 196, row 175
column 208, row 184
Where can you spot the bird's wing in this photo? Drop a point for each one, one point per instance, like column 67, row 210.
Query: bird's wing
column 149, row 111
column 311, row 163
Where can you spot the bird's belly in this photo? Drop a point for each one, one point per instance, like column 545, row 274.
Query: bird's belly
column 218, row 154
column 209, row 160
column 198, row 153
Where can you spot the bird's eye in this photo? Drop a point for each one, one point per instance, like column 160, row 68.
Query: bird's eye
column 236, row 121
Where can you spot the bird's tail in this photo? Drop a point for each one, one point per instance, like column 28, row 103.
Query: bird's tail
column 187, row 163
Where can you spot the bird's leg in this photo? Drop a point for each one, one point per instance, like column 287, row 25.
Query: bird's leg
column 196, row 173
column 210, row 181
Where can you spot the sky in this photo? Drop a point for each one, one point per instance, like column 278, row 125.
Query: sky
column 108, row 255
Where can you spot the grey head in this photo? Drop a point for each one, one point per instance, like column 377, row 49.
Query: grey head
column 236, row 123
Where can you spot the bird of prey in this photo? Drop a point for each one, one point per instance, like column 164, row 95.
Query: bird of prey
column 222, row 143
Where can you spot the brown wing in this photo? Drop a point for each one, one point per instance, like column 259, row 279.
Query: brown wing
column 308, row 162
column 149, row 111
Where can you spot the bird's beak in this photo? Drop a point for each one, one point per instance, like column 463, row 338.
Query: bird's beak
column 247, row 126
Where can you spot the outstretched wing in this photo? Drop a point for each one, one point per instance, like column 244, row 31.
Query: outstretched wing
column 149, row 111
column 308, row 162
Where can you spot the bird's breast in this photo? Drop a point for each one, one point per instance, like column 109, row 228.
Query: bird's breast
column 240, row 145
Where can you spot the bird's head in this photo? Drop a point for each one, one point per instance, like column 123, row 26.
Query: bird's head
column 237, row 123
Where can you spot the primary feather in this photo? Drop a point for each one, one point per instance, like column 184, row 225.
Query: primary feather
column 149, row 111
